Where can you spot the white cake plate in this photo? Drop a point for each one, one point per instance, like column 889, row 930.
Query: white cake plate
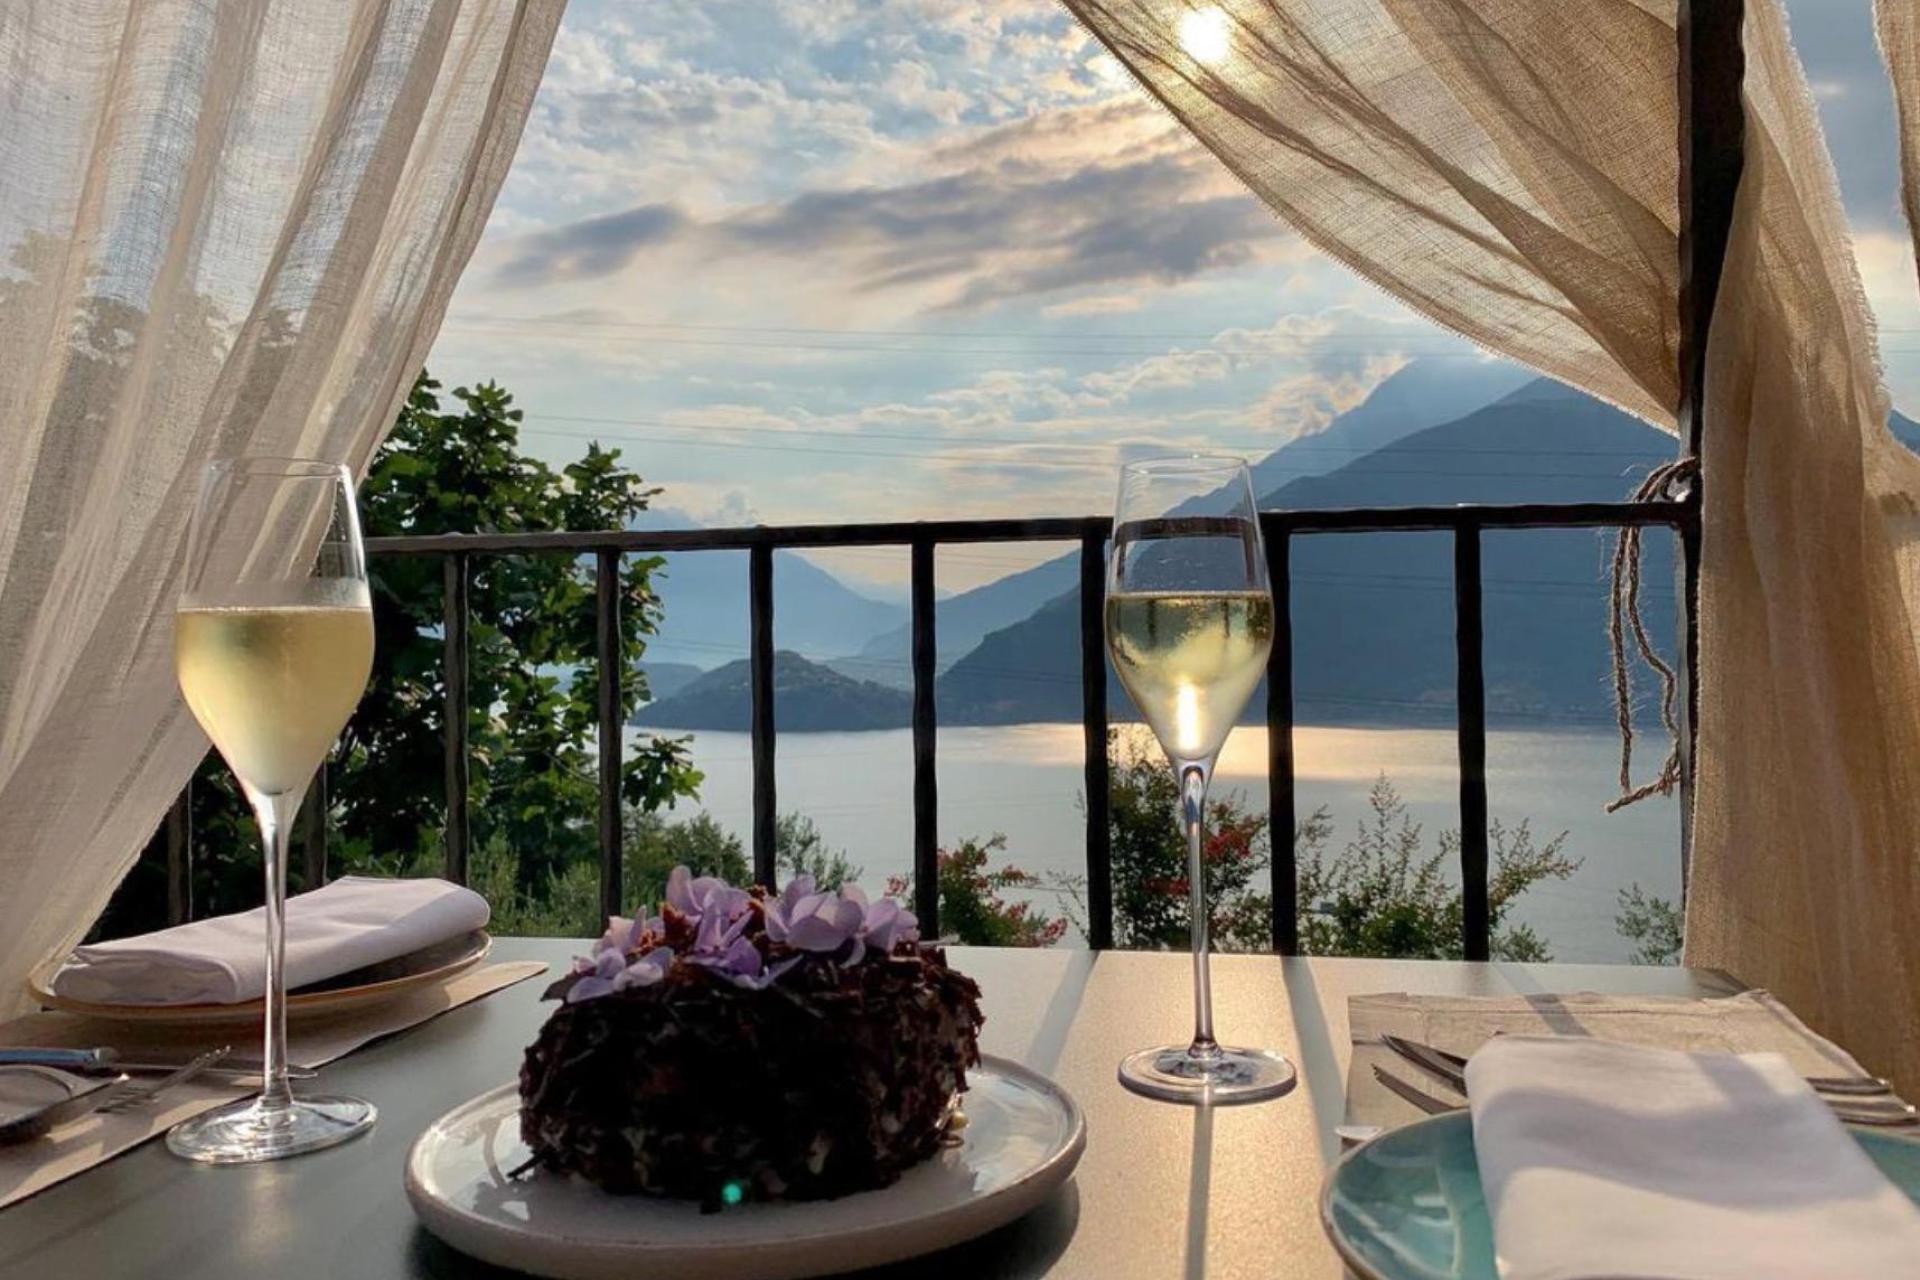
column 1023, row 1137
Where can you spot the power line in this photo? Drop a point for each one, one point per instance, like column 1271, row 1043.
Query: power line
column 1298, row 445
column 981, row 459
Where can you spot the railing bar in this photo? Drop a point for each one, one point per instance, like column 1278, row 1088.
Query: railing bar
column 612, row 661
column 926, row 799
column 1687, row 637
column 1281, row 816
column 1354, row 520
column 760, row 626
column 180, row 857
column 1475, row 923
column 453, row 614
column 1093, row 723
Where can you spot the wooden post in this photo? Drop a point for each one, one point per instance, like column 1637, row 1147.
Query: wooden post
column 1712, row 68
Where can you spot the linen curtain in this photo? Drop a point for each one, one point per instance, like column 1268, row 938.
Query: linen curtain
column 1509, row 168
column 227, row 226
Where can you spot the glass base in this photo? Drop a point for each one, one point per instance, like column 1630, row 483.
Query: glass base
column 1172, row 1073
column 251, row 1131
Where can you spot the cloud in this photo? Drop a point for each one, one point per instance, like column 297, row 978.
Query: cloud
column 1102, row 304
column 1036, row 209
column 589, row 248
column 1835, row 40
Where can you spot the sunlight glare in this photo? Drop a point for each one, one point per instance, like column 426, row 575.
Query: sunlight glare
column 1207, row 35
column 1186, row 719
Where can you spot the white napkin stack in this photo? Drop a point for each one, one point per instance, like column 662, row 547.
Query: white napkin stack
column 1606, row 1160
column 353, row 922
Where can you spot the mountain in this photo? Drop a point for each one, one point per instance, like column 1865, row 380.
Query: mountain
column 664, row 679
column 806, row 696
column 705, row 597
column 1905, row 430
column 962, row 621
column 1420, row 394
column 1373, row 613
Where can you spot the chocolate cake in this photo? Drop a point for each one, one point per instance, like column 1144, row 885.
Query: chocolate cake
column 746, row 1047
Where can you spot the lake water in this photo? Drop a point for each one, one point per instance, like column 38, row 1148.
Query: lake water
column 1025, row 781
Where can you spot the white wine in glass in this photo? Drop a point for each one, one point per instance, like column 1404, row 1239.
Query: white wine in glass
column 1190, row 627
column 273, row 643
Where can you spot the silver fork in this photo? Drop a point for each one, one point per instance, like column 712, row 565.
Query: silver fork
column 139, row 1095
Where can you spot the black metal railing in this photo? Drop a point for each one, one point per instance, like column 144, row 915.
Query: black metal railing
column 1466, row 524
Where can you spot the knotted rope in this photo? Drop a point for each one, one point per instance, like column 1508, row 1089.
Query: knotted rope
column 1623, row 617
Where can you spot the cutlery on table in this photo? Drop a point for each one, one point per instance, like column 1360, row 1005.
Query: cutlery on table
column 1451, row 1068
column 130, row 1096
column 83, row 1095
column 1425, row 1101
column 1864, row 1111
column 106, row 1061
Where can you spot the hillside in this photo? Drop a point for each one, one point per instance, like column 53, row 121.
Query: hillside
column 705, row 595
column 664, row 679
column 1423, row 393
column 806, row 696
column 1373, row 613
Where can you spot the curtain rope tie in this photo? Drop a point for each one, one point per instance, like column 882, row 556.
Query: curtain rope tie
column 1669, row 482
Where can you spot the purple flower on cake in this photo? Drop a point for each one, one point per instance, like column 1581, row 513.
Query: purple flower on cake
column 623, row 935
column 727, row 931
column 743, row 965
column 808, row 920
column 610, row 971
column 699, row 899
column 888, row 923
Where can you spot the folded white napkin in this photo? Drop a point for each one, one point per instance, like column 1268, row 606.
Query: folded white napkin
column 1609, row 1160
column 355, row 921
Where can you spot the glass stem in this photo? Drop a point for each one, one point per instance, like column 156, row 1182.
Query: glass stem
column 1193, row 811
column 275, row 814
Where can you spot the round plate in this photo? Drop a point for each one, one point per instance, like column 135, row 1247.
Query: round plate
column 1408, row 1205
column 1024, row 1136
column 349, row 992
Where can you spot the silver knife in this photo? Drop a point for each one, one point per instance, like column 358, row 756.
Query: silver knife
column 1430, row 1060
column 104, row 1061
column 1425, row 1101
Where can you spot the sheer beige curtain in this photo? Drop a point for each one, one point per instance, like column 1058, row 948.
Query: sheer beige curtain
column 1509, row 168
column 225, row 226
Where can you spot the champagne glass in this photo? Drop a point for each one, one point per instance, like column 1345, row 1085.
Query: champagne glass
column 1189, row 625
column 273, row 642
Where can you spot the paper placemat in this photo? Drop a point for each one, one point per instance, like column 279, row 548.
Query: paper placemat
column 77, row 1147
column 1750, row 1022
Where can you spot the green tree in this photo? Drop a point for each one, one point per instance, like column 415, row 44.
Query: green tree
column 1150, row 883
column 800, row 850
column 1383, row 895
column 1655, row 926
column 456, row 467
column 971, row 908
column 654, row 847
column 531, row 669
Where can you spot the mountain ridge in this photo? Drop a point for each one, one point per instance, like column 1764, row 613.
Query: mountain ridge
column 1422, row 393
column 704, row 596
column 1373, row 613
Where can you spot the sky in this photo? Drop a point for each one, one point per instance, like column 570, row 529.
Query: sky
column 837, row 260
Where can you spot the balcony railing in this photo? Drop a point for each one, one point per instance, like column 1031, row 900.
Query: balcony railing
column 923, row 539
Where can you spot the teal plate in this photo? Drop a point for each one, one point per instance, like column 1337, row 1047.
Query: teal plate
column 1407, row 1206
